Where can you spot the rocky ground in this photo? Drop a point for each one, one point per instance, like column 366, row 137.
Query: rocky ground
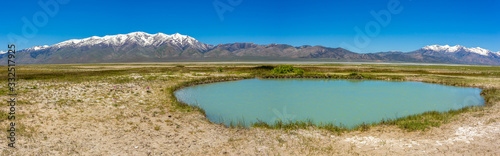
column 136, row 117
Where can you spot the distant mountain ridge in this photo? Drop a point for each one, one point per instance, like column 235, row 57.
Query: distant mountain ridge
column 144, row 47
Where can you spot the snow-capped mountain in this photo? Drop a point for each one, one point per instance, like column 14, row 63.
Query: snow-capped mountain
column 140, row 38
column 144, row 47
column 458, row 48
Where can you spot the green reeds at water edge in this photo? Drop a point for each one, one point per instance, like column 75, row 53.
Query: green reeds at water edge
column 422, row 122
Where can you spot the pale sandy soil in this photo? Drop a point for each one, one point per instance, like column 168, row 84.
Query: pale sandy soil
column 97, row 117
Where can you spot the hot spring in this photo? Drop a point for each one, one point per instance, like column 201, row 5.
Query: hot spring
column 346, row 102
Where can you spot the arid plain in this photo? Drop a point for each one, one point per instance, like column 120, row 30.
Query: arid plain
column 128, row 109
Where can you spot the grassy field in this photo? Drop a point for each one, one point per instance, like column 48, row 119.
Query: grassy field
column 56, row 95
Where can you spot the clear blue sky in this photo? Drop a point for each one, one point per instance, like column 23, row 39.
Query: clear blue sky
column 296, row 22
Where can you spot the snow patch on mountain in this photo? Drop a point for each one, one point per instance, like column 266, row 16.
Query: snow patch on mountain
column 480, row 51
column 457, row 48
column 37, row 48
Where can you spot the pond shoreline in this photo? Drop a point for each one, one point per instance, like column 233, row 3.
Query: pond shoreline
column 486, row 91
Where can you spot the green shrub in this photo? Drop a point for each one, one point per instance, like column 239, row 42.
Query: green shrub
column 355, row 76
column 287, row 69
column 490, row 96
column 219, row 69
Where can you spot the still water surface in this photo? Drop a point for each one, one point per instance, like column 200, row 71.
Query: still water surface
column 349, row 102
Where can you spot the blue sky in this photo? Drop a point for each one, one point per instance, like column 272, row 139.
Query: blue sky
column 413, row 24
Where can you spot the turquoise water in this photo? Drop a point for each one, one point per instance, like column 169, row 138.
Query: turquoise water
column 350, row 102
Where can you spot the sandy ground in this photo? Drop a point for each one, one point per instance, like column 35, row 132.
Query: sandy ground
column 137, row 118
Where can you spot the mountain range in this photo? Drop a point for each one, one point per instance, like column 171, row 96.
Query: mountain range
column 144, row 47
